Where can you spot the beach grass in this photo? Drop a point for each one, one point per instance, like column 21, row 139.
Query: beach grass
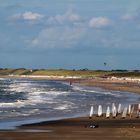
column 82, row 73
column 63, row 72
column 133, row 74
column 43, row 72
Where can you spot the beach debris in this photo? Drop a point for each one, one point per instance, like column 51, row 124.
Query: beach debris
column 129, row 109
column 119, row 109
column 108, row 112
column 124, row 113
column 100, row 113
column 91, row 112
column 93, row 126
column 114, row 110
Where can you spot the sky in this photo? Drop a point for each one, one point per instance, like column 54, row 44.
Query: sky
column 70, row 34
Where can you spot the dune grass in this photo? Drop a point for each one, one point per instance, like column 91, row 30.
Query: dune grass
column 81, row 73
column 69, row 73
column 6, row 71
column 126, row 74
column 13, row 71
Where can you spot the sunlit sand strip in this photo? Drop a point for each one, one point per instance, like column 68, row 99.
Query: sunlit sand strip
column 44, row 76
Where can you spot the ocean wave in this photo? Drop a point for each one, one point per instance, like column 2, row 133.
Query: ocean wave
column 55, row 93
column 63, row 107
column 18, row 87
column 17, row 104
column 42, row 97
column 34, row 98
column 95, row 91
column 49, row 98
column 1, row 79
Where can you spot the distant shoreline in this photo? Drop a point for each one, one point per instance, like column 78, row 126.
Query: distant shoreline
column 132, row 86
column 125, row 84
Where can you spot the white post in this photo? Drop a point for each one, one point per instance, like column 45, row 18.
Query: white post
column 108, row 112
column 129, row 109
column 114, row 111
column 100, row 111
column 91, row 112
column 138, row 106
column 119, row 109
column 124, row 112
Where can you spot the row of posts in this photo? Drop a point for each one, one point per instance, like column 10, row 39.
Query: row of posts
column 114, row 111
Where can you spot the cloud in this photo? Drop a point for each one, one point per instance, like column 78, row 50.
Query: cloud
column 58, row 37
column 132, row 12
column 28, row 16
column 99, row 22
column 67, row 17
column 128, row 17
column 131, row 16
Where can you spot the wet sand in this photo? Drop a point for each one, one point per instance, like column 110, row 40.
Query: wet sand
column 116, row 85
column 78, row 129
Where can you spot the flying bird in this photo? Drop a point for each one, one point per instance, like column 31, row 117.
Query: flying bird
column 105, row 63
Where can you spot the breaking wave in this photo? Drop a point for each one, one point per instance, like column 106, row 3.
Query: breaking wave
column 78, row 88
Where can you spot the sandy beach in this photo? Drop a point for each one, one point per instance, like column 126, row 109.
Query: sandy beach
column 116, row 85
column 78, row 128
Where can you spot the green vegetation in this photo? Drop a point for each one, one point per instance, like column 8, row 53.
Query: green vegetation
column 133, row 74
column 13, row 71
column 83, row 73
column 43, row 72
column 61, row 72
column 6, row 71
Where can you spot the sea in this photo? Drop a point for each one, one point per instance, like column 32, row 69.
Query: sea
column 25, row 101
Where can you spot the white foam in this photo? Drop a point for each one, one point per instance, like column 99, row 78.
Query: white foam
column 17, row 104
column 2, row 79
column 54, row 93
column 34, row 98
column 19, row 87
column 94, row 91
column 63, row 107
column 39, row 98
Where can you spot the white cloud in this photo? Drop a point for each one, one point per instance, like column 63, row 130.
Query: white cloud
column 29, row 16
column 67, row 17
column 132, row 11
column 99, row 22
column 127, row 17
column 130, row 16
column 58, row 37
column 32, row 16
